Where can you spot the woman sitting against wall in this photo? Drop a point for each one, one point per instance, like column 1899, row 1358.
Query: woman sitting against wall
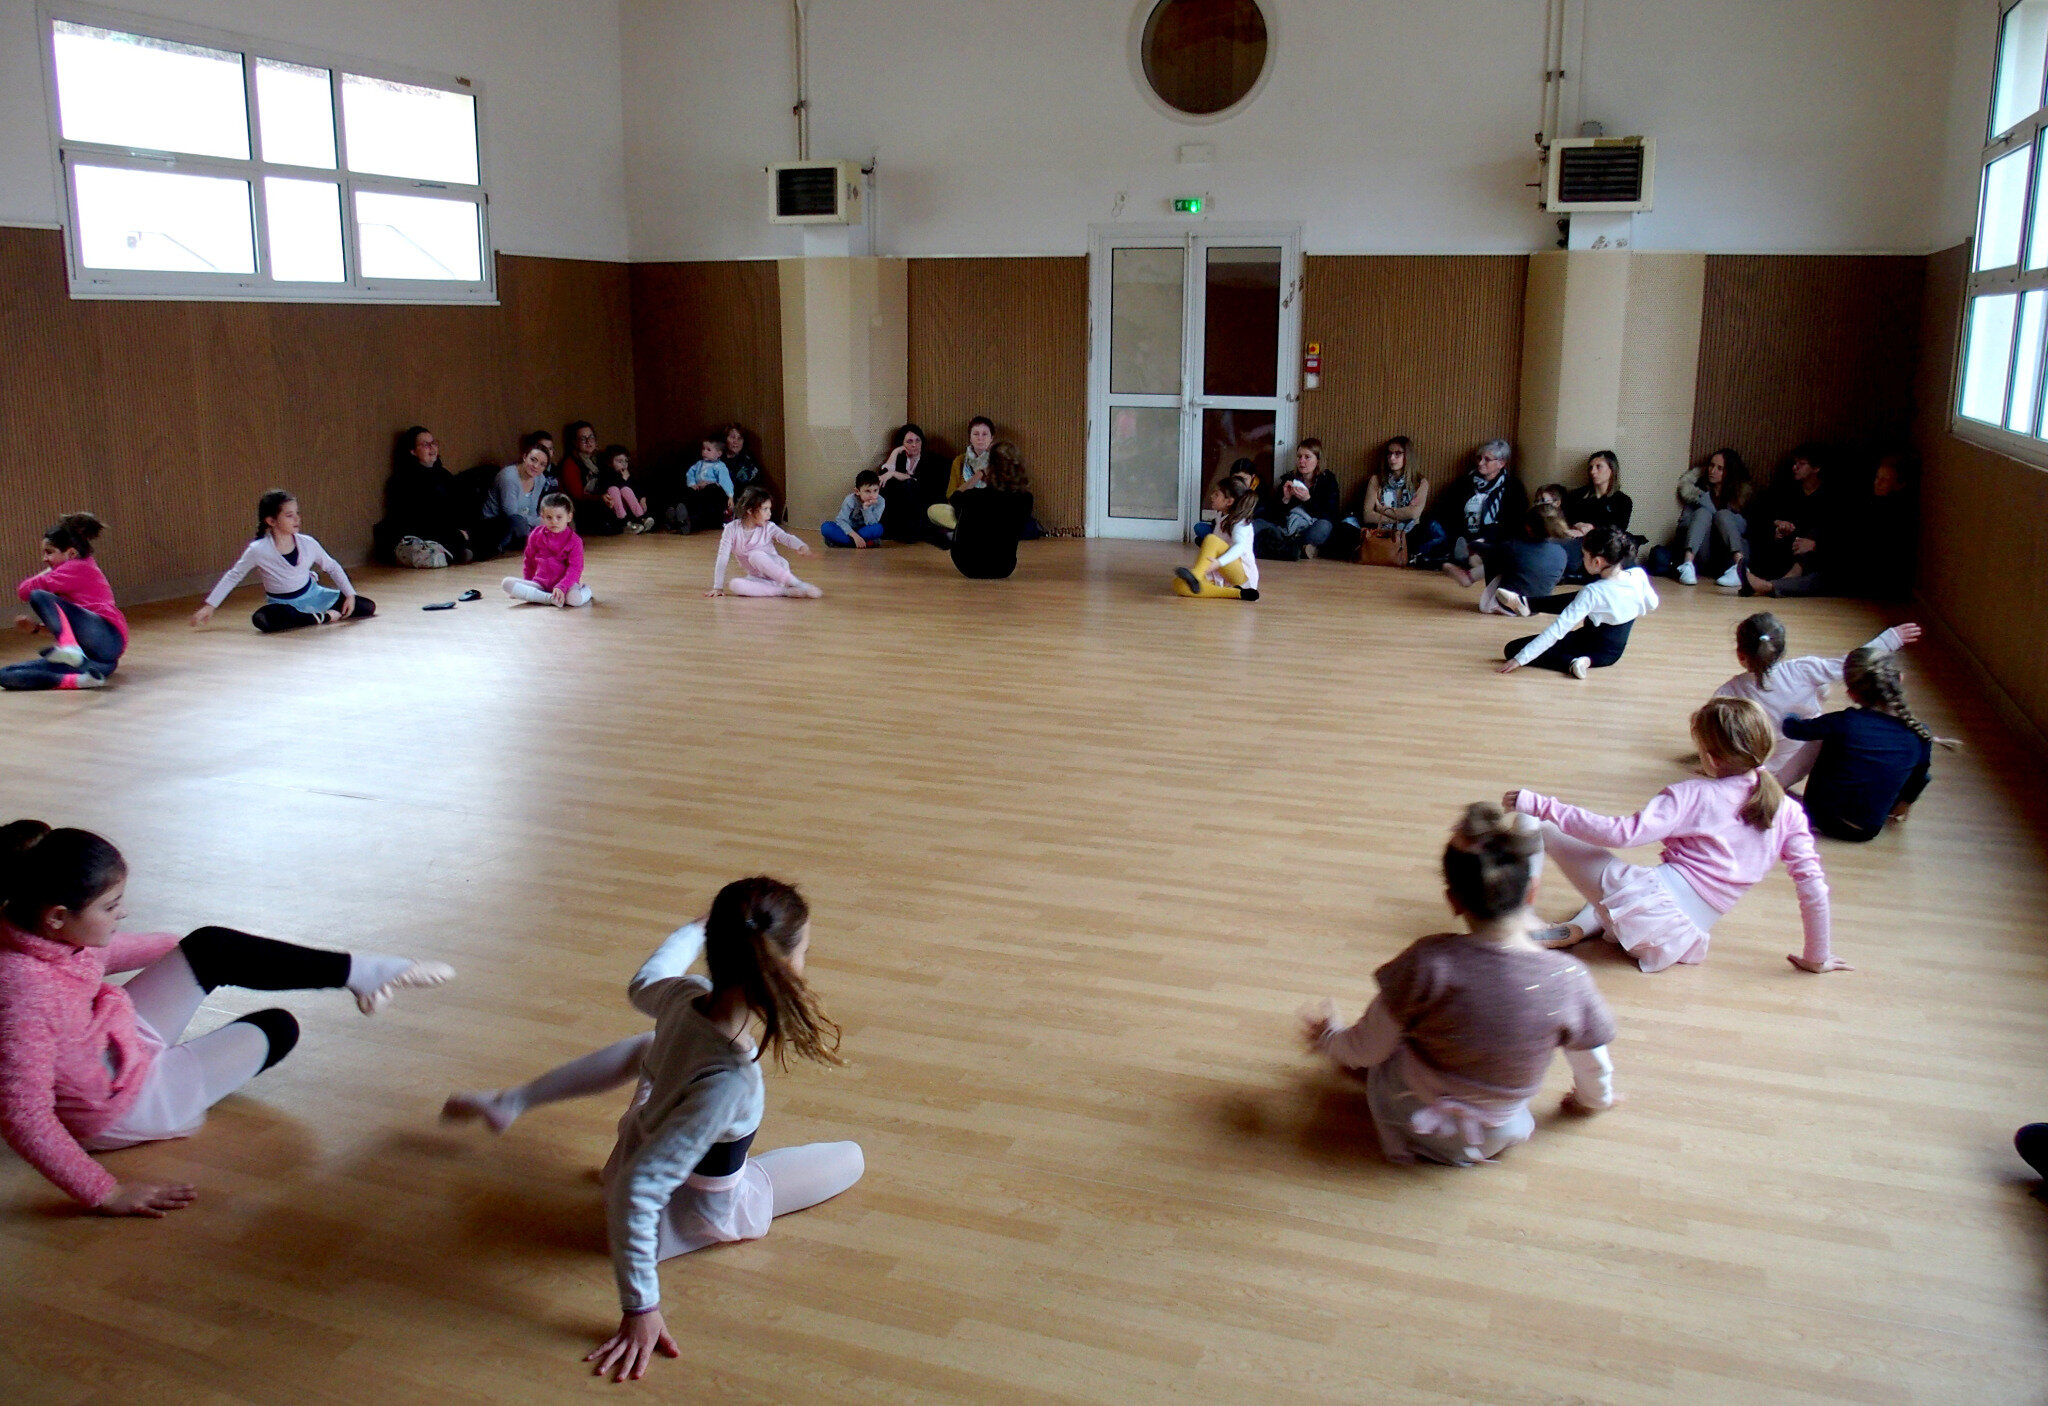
column 1305, row 504
column 912, row 481
column 1599, row 502
column 992, row 516
column 1712, row 529
column 968, row 468
column 1396, row 495
column 422, row 500
column 1481, row 508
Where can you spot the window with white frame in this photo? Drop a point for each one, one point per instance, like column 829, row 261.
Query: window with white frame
column 198, row 166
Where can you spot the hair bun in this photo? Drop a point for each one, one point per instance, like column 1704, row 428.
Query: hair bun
column 1486, row 828
column 20, row 836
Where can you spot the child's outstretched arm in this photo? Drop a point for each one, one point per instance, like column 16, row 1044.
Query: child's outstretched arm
column 1802, row 862
column 1662, row 817
column 1568, row 620
column 724, row 559
column 790, row 540
column 1371, row 1041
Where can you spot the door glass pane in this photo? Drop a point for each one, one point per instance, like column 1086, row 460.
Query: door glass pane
column 1988, row 357
column 2005, row 203
column 2022, row 46
column 305, row 230
column 1231, row 435
column 131, row 91
column 2026, row 371
column 159, row 220
column 1144, row 461
column 401, row 129
column 1241, row 322
column 295, row 113
column 1145, row 321
column 418, row 236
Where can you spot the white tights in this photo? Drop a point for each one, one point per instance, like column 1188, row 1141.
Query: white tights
column 199, row 1073
column 519, row 588
column 1585, row 865
column 801, row 1176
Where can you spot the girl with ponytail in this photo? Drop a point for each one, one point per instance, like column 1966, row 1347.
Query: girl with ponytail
column 1592, row 625
column 74, row 604
column 1225, row 567
column 1792, row 688
column 86, row 1066
column 1721, row 835
column 680, row 1176
column 1457, row 1041
column 1874, row 758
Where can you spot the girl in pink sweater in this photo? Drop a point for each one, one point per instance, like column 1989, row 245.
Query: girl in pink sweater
column 749, row 541
column 86, row 1066
column 553, row 571
column 1720, row 836
column 72, row 600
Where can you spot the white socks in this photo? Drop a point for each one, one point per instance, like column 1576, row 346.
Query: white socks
column 1588, row 921
column 373, row 976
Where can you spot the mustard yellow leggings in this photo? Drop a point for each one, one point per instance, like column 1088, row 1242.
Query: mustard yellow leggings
column 1213, row 546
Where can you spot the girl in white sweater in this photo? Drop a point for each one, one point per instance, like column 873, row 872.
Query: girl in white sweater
column 1791, row 688
column 679, row 1177
column 285, row 560
column 1226, row 568
column 1592, row 626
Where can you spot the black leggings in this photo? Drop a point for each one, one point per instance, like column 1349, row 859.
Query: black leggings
column 1602, row 644
column 224, row 957
column 274, row 618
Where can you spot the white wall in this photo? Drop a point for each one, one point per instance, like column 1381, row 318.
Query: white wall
column 1975, row 27
column 548, row 71
column 1389, row 126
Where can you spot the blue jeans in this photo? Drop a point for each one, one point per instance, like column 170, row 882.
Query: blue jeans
column 95, row 634
column 835, row 535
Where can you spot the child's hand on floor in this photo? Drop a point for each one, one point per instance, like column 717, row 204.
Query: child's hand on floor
column 201, row 616
column 1832, row 964
column 1508, row 800
column 27, row 624
column 1319, row 1021
column 715, row 591
column 1506, row 666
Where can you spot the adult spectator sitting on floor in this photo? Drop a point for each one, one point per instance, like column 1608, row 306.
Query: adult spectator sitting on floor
column 512, row 510
column 1481, row 508
column 582, row 477
column 1306, row 502
column 1712, row 498
column 992, row 516
column 1791, row 528
column 423, row 501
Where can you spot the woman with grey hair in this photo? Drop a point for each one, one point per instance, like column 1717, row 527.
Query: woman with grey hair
column 1481, row 508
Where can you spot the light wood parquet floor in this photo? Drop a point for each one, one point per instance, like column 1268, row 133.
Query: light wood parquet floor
column 1077, row 850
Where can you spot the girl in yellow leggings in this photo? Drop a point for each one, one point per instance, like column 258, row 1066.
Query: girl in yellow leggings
column 1225, row 569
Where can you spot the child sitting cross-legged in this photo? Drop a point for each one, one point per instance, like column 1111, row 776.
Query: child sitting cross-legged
column 553, row 571
column 859, row 523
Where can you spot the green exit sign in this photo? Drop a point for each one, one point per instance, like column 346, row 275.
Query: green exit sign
column 1187, row 205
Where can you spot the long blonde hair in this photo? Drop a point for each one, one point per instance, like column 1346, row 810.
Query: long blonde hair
column 1734, row 736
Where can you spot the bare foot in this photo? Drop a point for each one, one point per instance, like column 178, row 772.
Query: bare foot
column 497, row 1107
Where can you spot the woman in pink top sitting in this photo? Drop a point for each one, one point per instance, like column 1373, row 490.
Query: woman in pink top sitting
column 86, row 1066
column 1465, row 1025
column 1721, row 835
column 748, row 542
column 72, row 600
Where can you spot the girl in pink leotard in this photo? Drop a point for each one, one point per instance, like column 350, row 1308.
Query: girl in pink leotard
column 749, row 542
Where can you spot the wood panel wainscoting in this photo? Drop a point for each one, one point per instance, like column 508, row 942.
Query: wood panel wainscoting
column 707, row 350
column 1428, row 346
column 1007, row 338
column 1801, row 347
column 169, row 419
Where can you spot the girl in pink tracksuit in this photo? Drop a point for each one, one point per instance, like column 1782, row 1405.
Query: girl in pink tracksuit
column 749, row 542
column 553, row 571
column 74, row 604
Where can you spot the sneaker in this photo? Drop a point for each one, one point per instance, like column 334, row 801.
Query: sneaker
column 1308, row 551
column 1731, row 578
column 1512, row 600
column 1581, row 667
column 1687, row 576
column 1188, row 578
column 1243, row 592
column 87, row 679
column 69, row 655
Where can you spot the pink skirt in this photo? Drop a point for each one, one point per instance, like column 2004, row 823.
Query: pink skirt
column 1654, row 922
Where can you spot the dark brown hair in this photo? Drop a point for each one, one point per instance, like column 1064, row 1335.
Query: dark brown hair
column 41, row 869
column 754, row 926
column 1611, row 545
column 1005, row 467
column 558, row 500
column 74, row 532
column 1243, row 491
column 1491, row 859
column 269, row 506
column 750, row 498
column 1760, row 640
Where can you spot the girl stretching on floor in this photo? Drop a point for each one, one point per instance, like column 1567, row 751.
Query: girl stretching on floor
column 1874, row 757
column 72, row 600
column 1225, row 568
column 1721, row 835
column 86, row 1066
column 679, row 1177
column 1465, row 1024
column 1592, row 625
column 749, row 540
column 1791, row 688
column 285, row 560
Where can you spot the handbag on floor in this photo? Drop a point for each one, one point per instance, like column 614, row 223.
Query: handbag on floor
column 1383, row 546
column 420, row 554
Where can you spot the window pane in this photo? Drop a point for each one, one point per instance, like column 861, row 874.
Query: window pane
column 397, row 129
column 305, row 230
column 1241, row 321
column 295, row 113
column 1144, row 321
column 157, row 220
column 127, row 90
column 1144, row 462
column 417, row 236
column 1988, row 357
column 2021, row 48
column 2005, row 204
column 2026, row 371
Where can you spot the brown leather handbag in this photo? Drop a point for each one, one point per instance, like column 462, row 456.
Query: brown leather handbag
column 1383, row 546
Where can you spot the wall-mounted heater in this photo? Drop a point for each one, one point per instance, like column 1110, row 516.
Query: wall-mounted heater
column 814, row 193
column 1599, row 174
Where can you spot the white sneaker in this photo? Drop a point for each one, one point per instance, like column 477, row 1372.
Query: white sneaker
column 1731, row 578
column 1512, row 600
column 69, row 655
column 1581, row 667
column 1686, row 575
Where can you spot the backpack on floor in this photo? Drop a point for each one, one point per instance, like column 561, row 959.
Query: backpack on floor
column 420, row 554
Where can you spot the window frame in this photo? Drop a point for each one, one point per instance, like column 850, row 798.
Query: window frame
column 2016, row 278
column 174, row 285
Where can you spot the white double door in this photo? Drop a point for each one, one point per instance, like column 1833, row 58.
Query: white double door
column 1194, row 363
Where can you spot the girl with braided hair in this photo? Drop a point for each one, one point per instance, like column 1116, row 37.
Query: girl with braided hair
column 1874, row 756
column 1721, row 835
column 679, row 1177
column 1792, row 687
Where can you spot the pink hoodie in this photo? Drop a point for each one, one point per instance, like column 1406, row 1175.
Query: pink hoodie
column 81, row 582
column 71, row 1059
column 554, row 559
column 1706, row 839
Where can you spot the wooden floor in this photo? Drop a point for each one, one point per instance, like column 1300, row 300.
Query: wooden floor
column 1077, row 850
